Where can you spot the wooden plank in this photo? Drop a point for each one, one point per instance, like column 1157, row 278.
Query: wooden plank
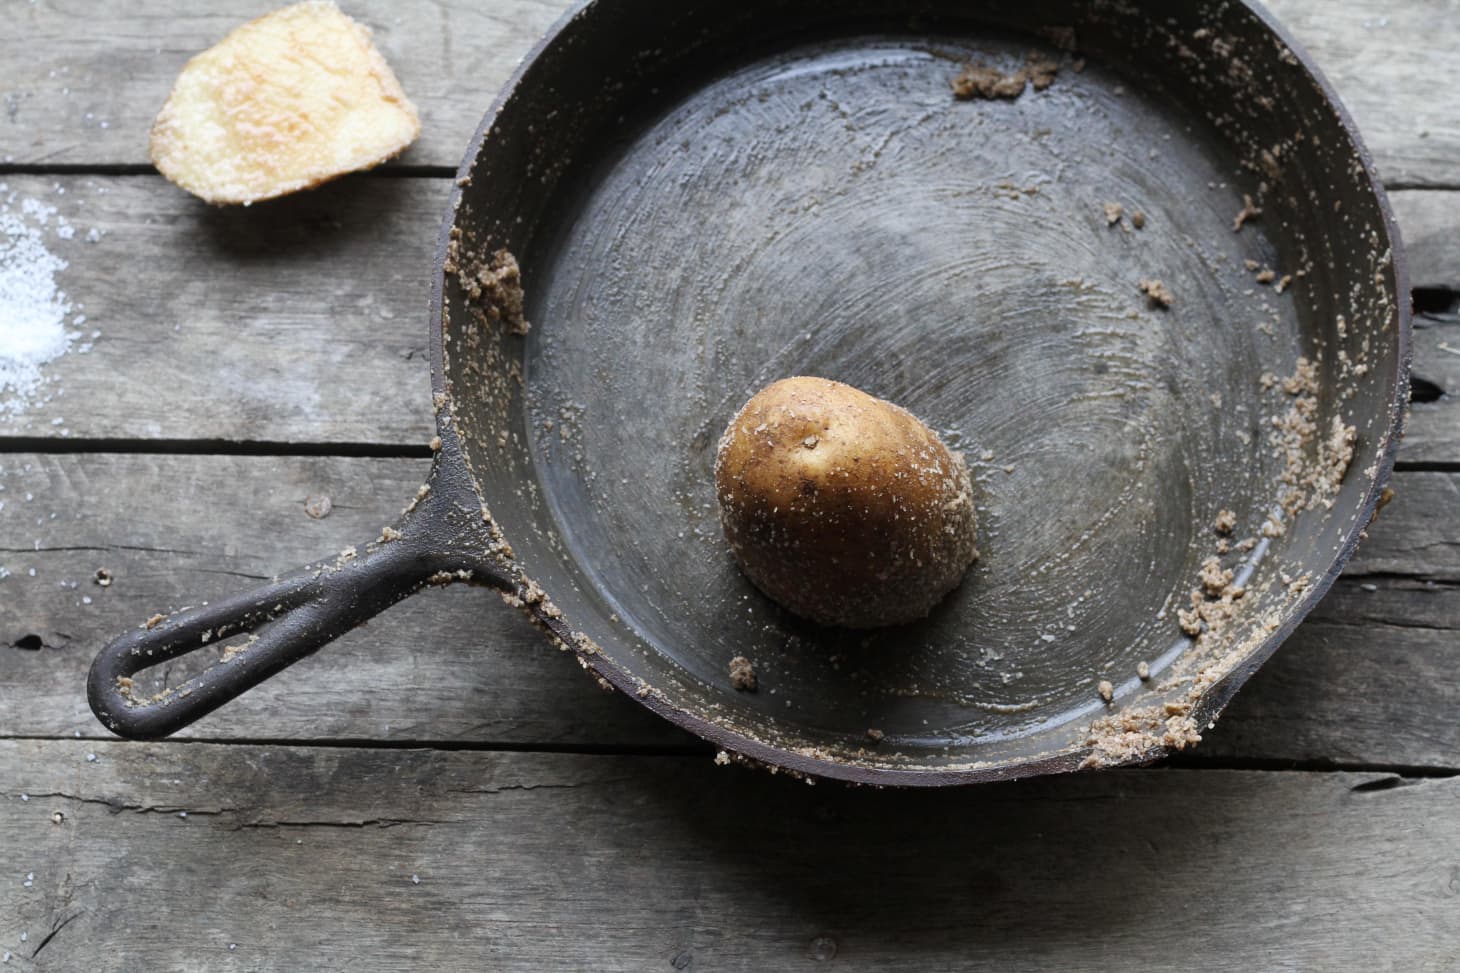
column 363, row 859
column 1368, row 680
column 1389, row 63
column 1433, row 432
column 81, row 85
column 1427, row 222
column 450, row 665
column 1360, row 683
column 306, row 321
column 1418, row 533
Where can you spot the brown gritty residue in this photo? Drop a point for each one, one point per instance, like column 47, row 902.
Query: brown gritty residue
column 1138, row 219
column 1304, row 484
column 1266, row 275
column 1249, row 211
column 230, row 652
column 875, row 735
column 493, row 285
column 1312, row 467
column 1137, row 734
column 983, row 81
column 1214, row 600
column 1041, row 70
column 154, row 621
column 742, row 674
column 1214, row 578
column 1105, row 690
column 1157, row 293
column 1113, row 213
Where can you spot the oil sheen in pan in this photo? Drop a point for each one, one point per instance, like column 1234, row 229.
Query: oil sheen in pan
column 834, row 211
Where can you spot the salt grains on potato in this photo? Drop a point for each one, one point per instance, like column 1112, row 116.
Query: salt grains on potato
column 283, row 103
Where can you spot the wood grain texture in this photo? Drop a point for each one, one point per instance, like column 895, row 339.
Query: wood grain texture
column 81, row 85
column 450, row 666
column 1360, row 684
column 1389, row 62
column 358, row 859
column 301, row 321
column 1428, row 222
column 305, row 321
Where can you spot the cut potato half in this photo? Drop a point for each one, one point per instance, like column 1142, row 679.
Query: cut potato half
column 285, row 102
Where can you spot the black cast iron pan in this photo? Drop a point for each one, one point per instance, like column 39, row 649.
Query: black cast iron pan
column 704, row 198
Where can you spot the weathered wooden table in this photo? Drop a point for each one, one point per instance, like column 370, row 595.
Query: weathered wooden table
column 441, row 790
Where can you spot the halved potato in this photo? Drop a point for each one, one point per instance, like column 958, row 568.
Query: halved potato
column 283, row 103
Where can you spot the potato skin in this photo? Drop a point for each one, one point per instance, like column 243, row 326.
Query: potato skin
column 841, row 506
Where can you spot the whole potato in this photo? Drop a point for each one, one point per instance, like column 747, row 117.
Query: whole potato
column 841, row 506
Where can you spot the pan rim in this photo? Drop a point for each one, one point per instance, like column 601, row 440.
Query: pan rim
column 747, row 749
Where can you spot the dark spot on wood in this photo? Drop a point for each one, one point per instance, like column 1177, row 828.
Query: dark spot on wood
column 1435, row 300
column 682, row 959
column 1382, row 784
column 30, row 643
column 1423, row 390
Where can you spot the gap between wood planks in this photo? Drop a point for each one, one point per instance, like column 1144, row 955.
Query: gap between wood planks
column 398, row 170
column 212, row 447
column 699, row 750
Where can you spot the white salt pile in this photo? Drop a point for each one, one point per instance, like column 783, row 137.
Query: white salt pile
column 33, row 311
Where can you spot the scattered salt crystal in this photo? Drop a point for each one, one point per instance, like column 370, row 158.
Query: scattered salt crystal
column 85, row 599
column 25, row 797
column 33, row 311
column 93, row 235
column 24, row 936
column 90, row 757
column 415, row 880
column 182, row 814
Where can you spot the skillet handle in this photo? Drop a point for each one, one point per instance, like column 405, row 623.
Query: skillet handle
column 441, row 538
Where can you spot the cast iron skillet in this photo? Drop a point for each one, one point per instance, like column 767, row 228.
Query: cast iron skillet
column 704, row 198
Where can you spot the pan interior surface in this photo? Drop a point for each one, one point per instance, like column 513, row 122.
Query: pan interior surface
column 827, row 207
